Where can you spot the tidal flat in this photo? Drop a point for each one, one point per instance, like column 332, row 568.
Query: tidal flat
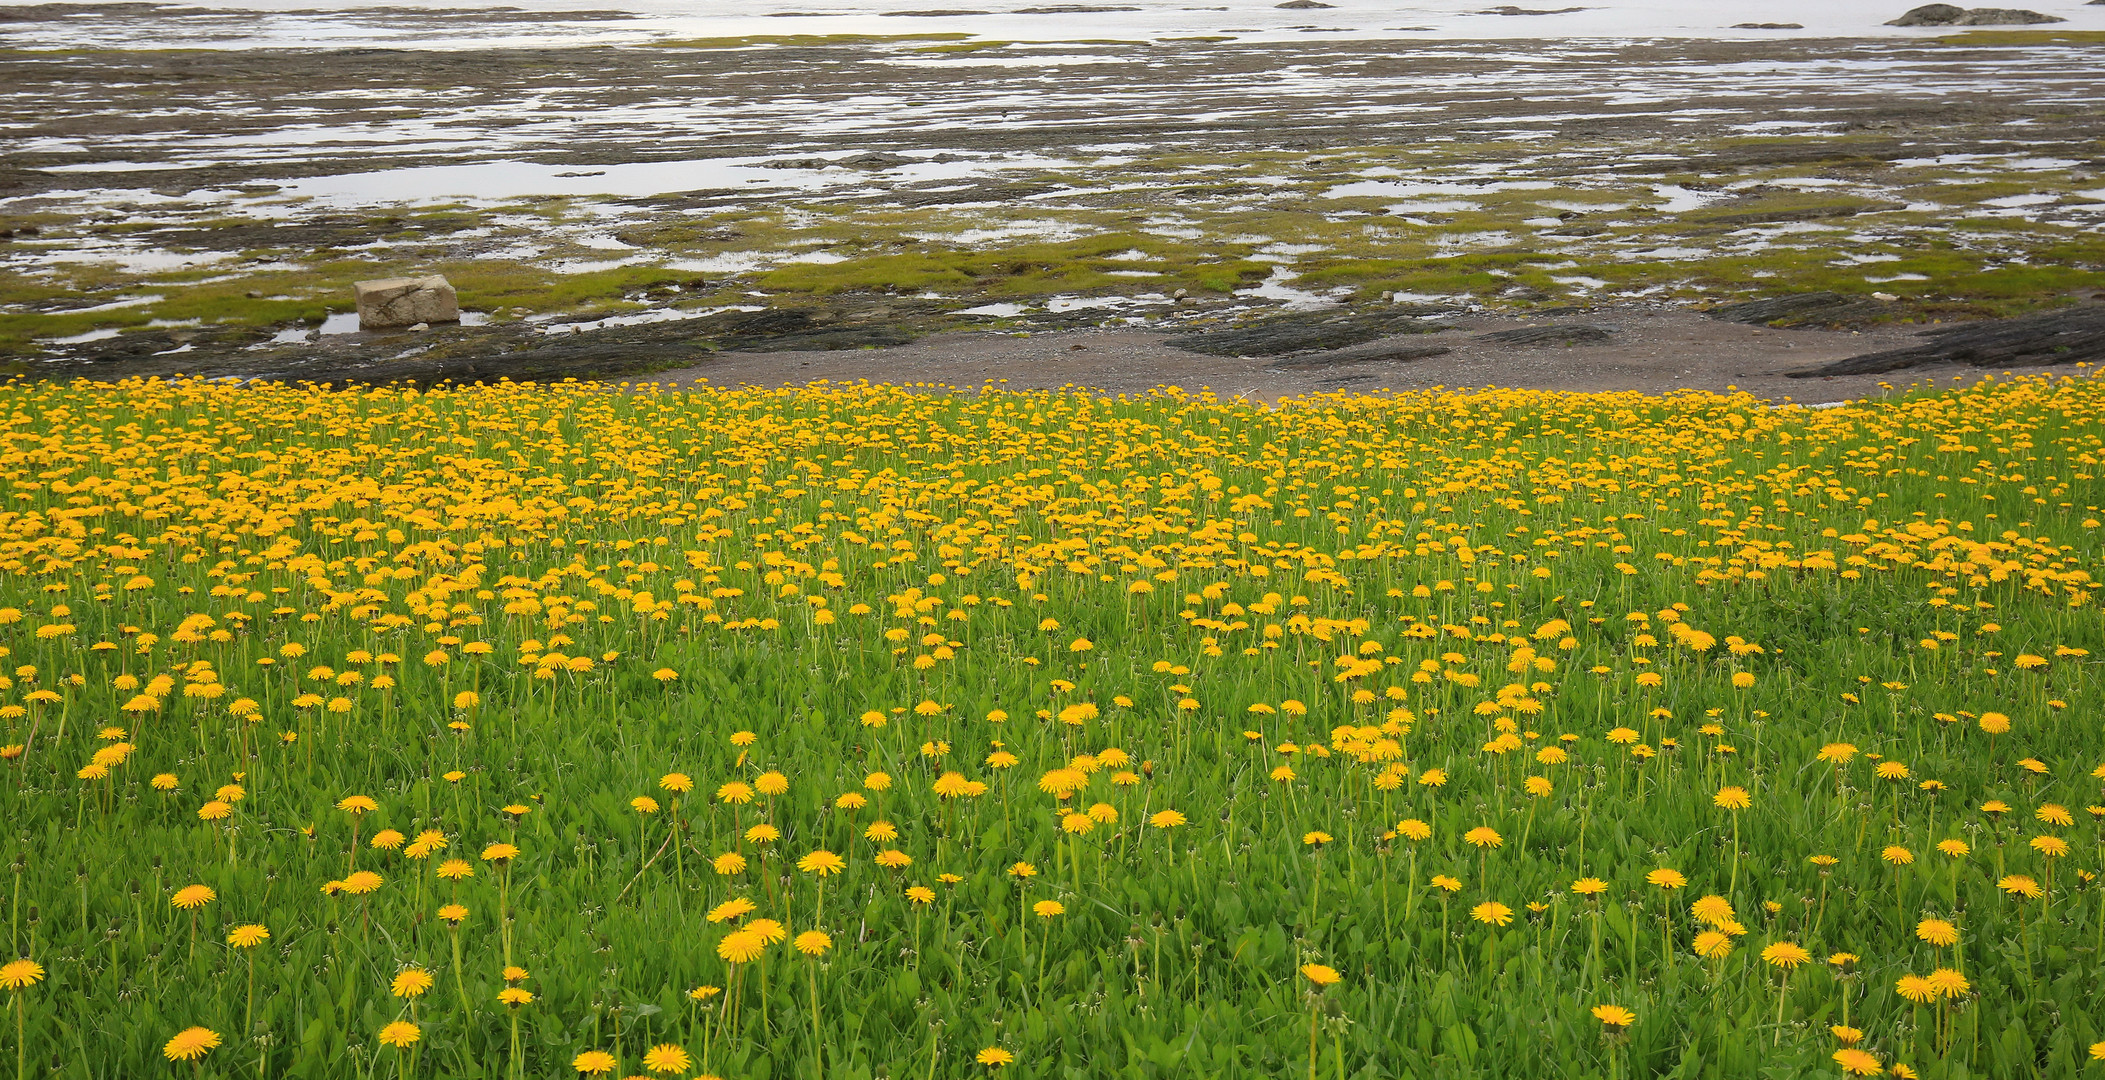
column 207, row 210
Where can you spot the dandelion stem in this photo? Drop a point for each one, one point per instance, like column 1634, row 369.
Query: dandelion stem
column 818, row 1064
column 248, row 1014
column 1594, row 957
column 1733, row 888
column 1313, row 1003
column 1783, row 989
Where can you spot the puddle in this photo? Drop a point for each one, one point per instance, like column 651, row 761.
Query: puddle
column 346, row 322
column 1406, row 189
column 1033, row 230
column 640, row 318
column 2022, row 200
column 79, row 339
column 585, row 266
column 126, row 166
column 1086, row 303
column 1680, row 200
column 1024, row 61
column 1791, row 126
column 1275, row 287
column 495, row 181
column 114, row 305
column 501, row 180
column 729, row 262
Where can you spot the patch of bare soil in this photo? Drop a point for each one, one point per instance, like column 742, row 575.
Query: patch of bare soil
column 1642, row 349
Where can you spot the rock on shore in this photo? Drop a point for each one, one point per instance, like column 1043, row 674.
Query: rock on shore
column 1953, row 15
column 389, row 303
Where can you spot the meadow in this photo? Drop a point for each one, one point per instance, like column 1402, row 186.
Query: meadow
column 862, row 731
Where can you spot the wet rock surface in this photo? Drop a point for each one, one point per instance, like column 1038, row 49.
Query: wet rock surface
column 1378, row 352
column 2055, row 338
column 1801, row 309
column 1301, row 332
column 520, row 351
column 1539, row 336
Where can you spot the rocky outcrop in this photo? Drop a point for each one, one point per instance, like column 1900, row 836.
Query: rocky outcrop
column 1931, row 15
column 1800, row 309
column 2069, row 336
column 1377, row 352
column 1953, row 15
column 393, row 303
column 1536, row 336
column 1301, row 332
column 795, row 329
column 2006, row 17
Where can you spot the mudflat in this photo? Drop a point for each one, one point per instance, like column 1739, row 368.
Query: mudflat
column 726, row 205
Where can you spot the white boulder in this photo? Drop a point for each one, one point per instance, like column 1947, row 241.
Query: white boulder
column 393, row 303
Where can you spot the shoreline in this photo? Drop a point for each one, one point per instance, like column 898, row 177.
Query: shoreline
column 1654, row 351
column 173, row 208
column 250, row 24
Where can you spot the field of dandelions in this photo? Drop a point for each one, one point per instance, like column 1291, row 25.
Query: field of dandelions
column 863, row 732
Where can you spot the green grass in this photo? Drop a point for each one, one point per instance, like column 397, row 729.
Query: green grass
column 964, row 47
column 1033, row 269
column 504, row 615
column 313, row 292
